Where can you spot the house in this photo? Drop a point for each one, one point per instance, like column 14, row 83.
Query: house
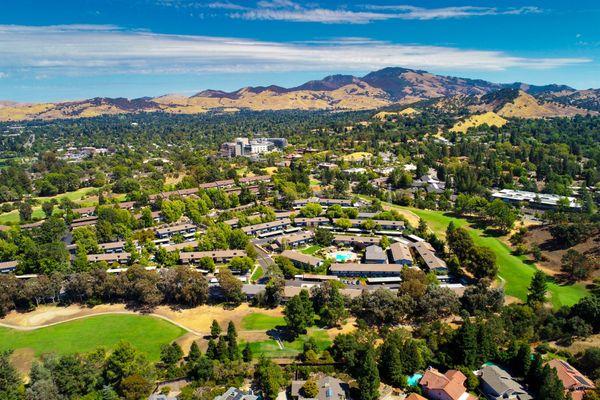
column 236, row 394
column 127, row 205
column 497, row 384
column 432, row 262
column 389, row 225
column 430, row 183
column 233, row 222
column 267, row 227
column 8, row 266
column 400, row 254
column 294, row 239
column 375, row 255
column 85, row 211
column 251, row 290
column 575, row 383
column 448, row 386
column 186, row 230
column 381, row 223
column 317, row 278
column 323, row 202
column 365, row 270
column 316, row 221
column 110, row 258
column 358, row 241
column 330, row 388
column 414, row 396
column 218, row 256
column 192, row 244
column 112, row 247
column 284, row 214
column 302, row 260
column 83, row 221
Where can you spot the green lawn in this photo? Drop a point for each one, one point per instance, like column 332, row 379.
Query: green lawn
column 311, row 249
column 270, row 348
column 258, row 273
column 513, row 271
column 145, row 332
column 13, row 216
column 261, row 322
column 76, row 195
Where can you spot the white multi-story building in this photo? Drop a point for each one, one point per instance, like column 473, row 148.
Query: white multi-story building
column 538, row 200
column 248, row 148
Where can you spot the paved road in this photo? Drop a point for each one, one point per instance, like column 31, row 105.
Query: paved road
column 264, row 259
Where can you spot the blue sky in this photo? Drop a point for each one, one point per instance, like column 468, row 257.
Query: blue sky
column 73, row 49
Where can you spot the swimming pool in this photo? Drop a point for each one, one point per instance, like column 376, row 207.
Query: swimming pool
column 343, row 256
column 414, row 379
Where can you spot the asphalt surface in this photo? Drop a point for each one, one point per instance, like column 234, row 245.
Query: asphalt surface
column 263, row 258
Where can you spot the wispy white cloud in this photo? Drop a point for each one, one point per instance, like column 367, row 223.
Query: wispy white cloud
column 226, row 5
column 421, row 13
column 313, row 15
column 287, row 10
column 3, row 75
column 64, row 50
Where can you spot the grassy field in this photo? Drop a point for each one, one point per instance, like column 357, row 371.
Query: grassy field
column 261, row 322
column 146, row 333
column 270, row 348
column 514, row 272
column 311, row 249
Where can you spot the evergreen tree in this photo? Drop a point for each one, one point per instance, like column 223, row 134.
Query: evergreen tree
column 390, row 366
column 368, row 379
column 211, row 350
column 194, row 354
column 170, row 354
column 223, row 349
column 9, row 378
column 269, row 378
column 202, row 370
column 232, row 346
column 521, row 362
column 551, row 388
column 215, row 329
column 299, row 313
column 247, row 353
column 465, row 345
column 535, row 374
column 537, row 289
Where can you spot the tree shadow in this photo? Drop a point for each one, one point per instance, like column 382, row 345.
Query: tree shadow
column 283, row 333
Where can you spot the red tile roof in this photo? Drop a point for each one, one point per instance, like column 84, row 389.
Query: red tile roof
column 451, row 383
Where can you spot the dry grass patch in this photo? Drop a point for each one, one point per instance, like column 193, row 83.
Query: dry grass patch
column 200, row 318
column 50, row 314
column 489, row 118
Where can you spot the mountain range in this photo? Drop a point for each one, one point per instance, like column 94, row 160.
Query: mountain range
column 386, row 88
